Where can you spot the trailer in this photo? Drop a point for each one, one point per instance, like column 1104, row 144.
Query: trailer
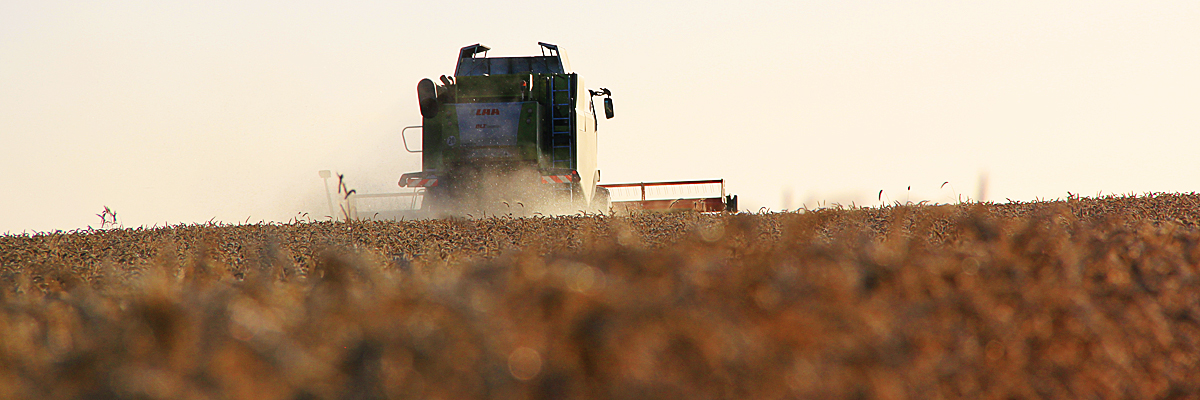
column 706, row 195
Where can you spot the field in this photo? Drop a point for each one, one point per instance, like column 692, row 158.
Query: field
column 1091, row 298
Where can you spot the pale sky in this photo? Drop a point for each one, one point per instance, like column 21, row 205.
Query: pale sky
column 171, row 112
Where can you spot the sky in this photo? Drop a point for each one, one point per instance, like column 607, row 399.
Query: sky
column 216, row 110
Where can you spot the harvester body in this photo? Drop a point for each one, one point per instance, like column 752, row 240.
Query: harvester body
column 507, row 134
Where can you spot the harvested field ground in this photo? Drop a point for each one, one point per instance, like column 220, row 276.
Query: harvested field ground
column 1083, row 298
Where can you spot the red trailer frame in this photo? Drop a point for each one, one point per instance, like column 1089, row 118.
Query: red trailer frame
column 701, row 204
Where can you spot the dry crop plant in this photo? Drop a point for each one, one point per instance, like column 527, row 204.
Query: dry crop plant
column 1084, row 298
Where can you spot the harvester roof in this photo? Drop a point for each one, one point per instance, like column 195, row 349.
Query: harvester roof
column 470, row 63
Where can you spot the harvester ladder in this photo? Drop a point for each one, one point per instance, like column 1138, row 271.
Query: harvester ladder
column 562, row 127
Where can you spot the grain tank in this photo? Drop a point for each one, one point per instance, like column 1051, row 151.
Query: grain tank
column 509, row 135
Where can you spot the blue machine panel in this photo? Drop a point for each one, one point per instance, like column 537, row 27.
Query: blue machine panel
column 488, row 124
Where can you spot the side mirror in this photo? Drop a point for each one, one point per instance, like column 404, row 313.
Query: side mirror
column 608, row 108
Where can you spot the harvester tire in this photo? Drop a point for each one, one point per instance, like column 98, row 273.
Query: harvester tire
column 600, row 201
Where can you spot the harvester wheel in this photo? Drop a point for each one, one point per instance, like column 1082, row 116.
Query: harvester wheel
column 600, row 201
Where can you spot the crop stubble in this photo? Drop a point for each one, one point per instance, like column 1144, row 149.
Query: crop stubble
column 1082, row 298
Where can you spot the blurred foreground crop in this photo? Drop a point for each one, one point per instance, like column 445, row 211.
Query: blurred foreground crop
column 1083, row 298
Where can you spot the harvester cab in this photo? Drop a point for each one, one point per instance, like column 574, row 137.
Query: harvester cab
column 508, row 132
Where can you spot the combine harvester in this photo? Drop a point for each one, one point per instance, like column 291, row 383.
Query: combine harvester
column 517, row 136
